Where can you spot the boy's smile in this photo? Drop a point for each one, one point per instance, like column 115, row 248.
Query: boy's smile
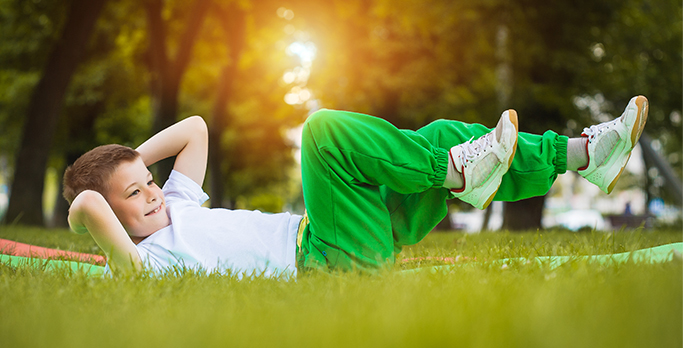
column 136, row 200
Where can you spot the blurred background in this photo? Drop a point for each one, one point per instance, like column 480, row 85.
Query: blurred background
column 75, row 74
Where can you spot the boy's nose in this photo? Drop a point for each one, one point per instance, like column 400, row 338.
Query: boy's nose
column 151, row 196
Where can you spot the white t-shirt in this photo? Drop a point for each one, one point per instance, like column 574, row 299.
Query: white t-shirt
column 241, row 241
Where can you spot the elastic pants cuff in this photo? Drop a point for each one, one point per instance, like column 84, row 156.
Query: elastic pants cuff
column 441, row 156
column 560, row 160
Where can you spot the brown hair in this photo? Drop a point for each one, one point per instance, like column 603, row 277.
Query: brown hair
column 94, row 168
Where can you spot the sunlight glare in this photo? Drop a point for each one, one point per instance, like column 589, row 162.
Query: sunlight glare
column 304, row 95
column 285, row 13
column 304, row 50
column 289, row 29
column 298, row 95
column 289, row 77
column 291, row 98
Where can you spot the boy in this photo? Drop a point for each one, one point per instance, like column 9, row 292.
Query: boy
column 369, row 189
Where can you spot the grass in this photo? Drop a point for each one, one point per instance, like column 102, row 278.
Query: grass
column 483, row 305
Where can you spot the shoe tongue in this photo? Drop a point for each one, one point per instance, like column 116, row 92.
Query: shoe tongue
column 456, row 155
column 499, row 130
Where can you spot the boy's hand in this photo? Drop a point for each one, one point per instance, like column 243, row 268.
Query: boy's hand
column 188, row 140
column 90, row 212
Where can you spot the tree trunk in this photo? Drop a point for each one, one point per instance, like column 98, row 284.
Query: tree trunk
column 672, row 183
column 26, row 197
column 523, row 215
column 61, row 212
column 165, row 114
column 234, row 28
column 167, row 73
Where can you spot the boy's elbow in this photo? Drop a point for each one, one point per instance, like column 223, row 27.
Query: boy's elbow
column 83, row 204
column 198, row 128
column 86, row 202
column 80, row 201
column 86, row 198
column 198, row 124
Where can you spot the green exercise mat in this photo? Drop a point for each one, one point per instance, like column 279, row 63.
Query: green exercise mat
column 52, row 265
column 658, row 254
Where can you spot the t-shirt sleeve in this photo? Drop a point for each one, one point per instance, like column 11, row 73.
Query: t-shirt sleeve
column 180, row 187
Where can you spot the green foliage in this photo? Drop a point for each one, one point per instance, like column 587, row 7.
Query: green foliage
column 577, row 305
column 108, row 101
column 264, row 202
column 16, row 87
column 28, row 29
column 640, row 50
column 408, row 61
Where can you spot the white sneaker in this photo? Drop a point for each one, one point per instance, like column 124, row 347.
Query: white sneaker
column 483, row 162
column 609, row 144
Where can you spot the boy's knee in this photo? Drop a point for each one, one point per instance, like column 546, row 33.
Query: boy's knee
column 320, row 118
column 324, row 120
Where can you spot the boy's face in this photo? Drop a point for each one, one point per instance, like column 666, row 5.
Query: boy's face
column 136, row 200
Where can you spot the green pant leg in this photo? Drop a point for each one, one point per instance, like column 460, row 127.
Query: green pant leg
column 346, row 158
column 414, row 215
column 538, row 161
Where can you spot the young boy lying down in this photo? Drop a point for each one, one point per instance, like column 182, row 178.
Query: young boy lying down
column 369, row 189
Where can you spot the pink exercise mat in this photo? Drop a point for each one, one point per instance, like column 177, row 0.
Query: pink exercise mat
column 9, row 247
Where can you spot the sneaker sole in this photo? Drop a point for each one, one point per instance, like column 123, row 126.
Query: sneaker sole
column 643, row 108
column 641, row 118
column 512, row 114
column 513, row 118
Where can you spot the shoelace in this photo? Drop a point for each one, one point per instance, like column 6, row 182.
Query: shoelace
column 473, row 149
column 596, row 129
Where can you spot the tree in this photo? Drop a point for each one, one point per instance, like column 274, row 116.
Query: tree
column 28, row 32
column 25, row 203
column 168, row 69
column 233, row 24
column 107, row 100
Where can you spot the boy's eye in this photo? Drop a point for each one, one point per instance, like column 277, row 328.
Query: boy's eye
column 134, row 193
column 150, row 183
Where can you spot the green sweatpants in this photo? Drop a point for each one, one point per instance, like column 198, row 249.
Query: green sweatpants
column 371, row 188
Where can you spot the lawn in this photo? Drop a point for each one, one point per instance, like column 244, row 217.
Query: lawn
column 478, row 303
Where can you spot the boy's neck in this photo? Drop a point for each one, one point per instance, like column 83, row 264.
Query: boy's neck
column 137, row 240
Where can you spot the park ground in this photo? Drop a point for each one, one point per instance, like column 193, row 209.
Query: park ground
column 477, row 303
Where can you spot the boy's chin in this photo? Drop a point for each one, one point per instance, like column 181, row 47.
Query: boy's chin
column 142, row 235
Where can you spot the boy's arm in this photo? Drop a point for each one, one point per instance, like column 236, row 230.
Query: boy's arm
column 90, row 212
column 188, row 139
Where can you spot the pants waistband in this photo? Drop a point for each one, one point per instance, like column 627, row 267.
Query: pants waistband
column 300, row 232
